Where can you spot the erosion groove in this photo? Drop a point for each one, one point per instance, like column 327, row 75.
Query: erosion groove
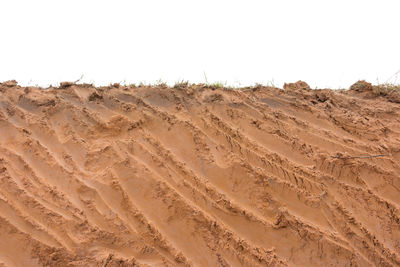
column 198, row 176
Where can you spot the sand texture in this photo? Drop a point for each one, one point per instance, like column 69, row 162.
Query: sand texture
column 196, row 176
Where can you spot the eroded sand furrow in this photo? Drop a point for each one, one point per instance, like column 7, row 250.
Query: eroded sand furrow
column 252, row 218
column 379, row 223
column 24, row 224
column 200, row 135
column 29, row 207
column 153, row 246
column 384, row 217
column 347, row 226
column 383, row 185
column 37, row 188
column 207, row 241
column 259, row 158
column 89, row 207
column 270, row 162
column 198, row 199
column 309, row 126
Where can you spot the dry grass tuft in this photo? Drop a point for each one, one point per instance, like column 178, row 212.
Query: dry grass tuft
column 386, row 89
column 181, row 85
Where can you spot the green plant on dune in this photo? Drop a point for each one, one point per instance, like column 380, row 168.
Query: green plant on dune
column 218, row 84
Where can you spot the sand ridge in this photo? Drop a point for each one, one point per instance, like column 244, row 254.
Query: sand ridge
column 198, row 176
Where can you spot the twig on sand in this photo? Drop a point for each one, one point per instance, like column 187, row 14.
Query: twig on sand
column 361, row 157
column 79, row 79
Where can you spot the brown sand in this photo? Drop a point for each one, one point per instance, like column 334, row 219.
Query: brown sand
column 156, row 176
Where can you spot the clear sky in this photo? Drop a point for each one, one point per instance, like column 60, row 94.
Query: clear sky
column 325, row 43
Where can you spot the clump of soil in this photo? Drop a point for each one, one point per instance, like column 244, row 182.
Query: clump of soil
column 95, row 96
column 10, row 83
column 362, row 86
column 299, row 85
column 64, row 85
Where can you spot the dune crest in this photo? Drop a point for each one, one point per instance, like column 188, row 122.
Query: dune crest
column 197, row 176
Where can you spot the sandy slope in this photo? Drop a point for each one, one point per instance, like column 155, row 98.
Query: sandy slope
column 156, row 176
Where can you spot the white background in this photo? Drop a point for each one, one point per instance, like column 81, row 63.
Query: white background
column 325, row 43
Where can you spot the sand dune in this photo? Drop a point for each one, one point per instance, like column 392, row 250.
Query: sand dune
column 195, row 176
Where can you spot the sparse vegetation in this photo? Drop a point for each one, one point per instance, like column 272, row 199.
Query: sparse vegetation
column 218, row 84
column 380, row 89
column 386, row 88
column 389, row 90
column 215, row 85
column 161, row 83
column 181, row 84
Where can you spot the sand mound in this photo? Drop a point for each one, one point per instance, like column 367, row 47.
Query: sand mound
column 154, row 176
